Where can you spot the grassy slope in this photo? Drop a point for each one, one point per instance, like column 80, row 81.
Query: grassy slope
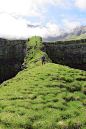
column 51, row 96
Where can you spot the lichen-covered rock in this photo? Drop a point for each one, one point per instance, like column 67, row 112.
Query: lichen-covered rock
column 71, row 53
column 12, row 53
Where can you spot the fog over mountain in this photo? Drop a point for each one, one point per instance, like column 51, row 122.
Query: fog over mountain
column 50, row 32
column 77, row 33
column 61, row 33
column 51, row 19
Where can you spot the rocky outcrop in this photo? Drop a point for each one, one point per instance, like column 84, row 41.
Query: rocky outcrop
column 12, row 53
column 71, row 53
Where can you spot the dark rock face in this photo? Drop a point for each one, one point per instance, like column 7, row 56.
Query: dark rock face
column 70, row 53
column 12, row 53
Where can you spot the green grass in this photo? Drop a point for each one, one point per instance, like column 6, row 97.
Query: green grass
column 49, row 96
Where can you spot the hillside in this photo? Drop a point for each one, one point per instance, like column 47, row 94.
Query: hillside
column 77, row 33
column 49, row 96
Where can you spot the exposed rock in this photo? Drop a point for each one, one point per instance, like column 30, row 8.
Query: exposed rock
column 12, row 53
column 71, row 53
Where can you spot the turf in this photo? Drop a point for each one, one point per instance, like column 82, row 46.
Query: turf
column 49, row 96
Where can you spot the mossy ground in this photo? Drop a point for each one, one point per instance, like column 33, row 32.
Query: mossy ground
column 49, row 96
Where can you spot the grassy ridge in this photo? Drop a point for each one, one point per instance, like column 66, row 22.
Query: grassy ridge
column 33, row 56
column 51, row 96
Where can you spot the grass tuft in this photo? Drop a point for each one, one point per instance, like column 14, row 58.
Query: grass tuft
column 49, row 96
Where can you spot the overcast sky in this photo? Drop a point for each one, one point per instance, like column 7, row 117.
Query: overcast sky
column 51, row 15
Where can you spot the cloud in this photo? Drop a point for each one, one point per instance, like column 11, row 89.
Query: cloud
column 14, row 25
column 30, row 7
column 70, row 25
column 11, row 27
column 81, row 4
column 20, row 7
column 24, row 7
column 53, row 30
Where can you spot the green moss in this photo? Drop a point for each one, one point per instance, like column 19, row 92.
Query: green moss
column 43, row 96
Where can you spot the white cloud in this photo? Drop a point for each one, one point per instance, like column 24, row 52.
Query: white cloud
column 24, row 7
column 81, row 4
column 10, row 27
column 50, row 30
column 53, row 30
column 13, row 24
column 30, row 7
column 70, row 25
column 19, row 7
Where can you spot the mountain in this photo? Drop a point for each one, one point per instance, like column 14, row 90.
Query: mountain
column 78, row 33
column 35, row 26
column 61, row 34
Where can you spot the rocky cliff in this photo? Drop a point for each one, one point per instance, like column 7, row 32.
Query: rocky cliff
column 71, row 53
column 12, row 53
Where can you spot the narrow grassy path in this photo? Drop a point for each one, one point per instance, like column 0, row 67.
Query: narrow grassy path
column 49, row 96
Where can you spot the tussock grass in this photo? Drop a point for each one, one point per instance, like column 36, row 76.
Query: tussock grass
column 49, row 96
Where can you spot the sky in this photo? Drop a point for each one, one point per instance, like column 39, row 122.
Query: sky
column 22, row 19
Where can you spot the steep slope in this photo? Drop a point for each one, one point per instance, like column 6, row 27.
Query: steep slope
column 49, row 96
column 62, row 33
column 78, row 33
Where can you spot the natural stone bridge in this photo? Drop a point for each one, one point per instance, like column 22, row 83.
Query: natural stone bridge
column 71, row 53
column 12, row 53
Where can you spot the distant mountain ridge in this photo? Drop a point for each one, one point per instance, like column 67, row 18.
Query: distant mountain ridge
column 77, row 33
column 35, row 26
